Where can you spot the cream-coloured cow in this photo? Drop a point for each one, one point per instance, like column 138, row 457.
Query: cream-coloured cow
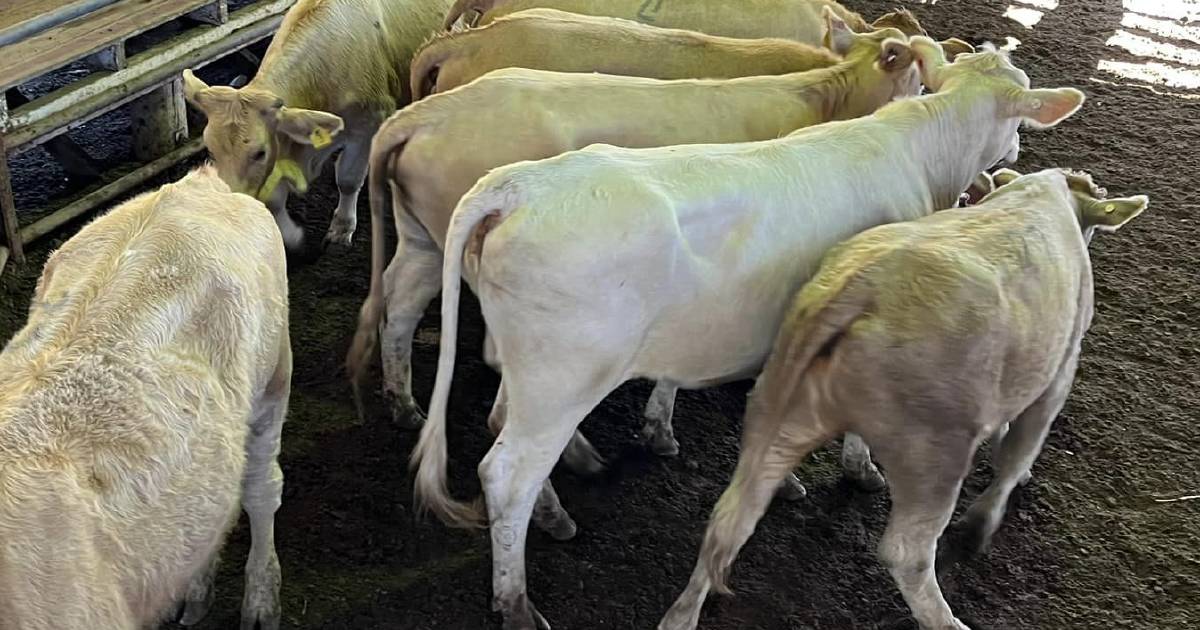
column 677, row 264
column 433, row 152
column 334, row 71
column 924, row 338
column 799, row 20
column 548, row 39
column 139, row 405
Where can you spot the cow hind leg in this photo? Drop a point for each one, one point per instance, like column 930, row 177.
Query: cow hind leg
column 857, row 465
column 765, row 462
column 1013, row 461
column 541, row 417
column 924, row 485
column 262, row 493
column 410, row 282
column 994, row 443
column 548, row 513
column 350, row 172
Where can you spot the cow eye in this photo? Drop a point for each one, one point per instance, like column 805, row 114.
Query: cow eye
column 259, row 155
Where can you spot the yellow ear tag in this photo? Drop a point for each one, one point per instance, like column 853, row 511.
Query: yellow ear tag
column 1108, row 209
column 320, row 137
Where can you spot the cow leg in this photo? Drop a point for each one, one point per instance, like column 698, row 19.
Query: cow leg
column 410, row 282
column 543, row 412
column 200, row 593
column 658, row 431
column 262, row 493
column 351, row 172
column 857, row 466
column 925, row 473
column 773, row 443
column 548, row 512
column 994, row 446
column 1014, row 459
column 293, row 234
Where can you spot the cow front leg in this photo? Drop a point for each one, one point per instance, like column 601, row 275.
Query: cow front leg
column 262, row 493
column 351, row 172
column 657, row 431
column 292, row 233
column 200, row 593
column 410, row 282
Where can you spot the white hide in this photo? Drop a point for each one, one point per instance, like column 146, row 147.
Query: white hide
column 140, row 404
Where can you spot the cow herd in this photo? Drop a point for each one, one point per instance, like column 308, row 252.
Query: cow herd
column 689, row 191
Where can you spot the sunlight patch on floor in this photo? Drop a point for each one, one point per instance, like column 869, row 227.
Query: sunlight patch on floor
column 1165, row 33
column 1186, row 10
column 1023, row 15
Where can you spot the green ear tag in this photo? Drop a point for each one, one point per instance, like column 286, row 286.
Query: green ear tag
column 320, row 137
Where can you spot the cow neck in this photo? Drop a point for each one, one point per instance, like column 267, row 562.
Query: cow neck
column 832, row 91
column 948, row 134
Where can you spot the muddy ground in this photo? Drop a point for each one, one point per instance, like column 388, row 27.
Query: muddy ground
column 1085, row 546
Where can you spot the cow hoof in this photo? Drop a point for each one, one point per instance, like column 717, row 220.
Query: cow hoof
column 664, row 446
column 339, row 235
column 260, row 603
column 661, row 443
column 868, row 479
column 405, row 413
column 195, row 610
column 791, row 489
column 525, row 617
column 562, row 529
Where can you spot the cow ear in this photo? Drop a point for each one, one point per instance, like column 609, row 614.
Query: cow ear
column 196, row 91
column 901, row 19
column 1004, row 176
column 895, row 55
column 838, row 36
column 1108, row 215
column 980, row 187
column 1046, row 108
column 954, row 47
column 308, row 126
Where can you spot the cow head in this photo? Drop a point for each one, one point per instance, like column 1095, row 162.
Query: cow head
column 883, row 62
column 1093, row 208
column 251, row 135
column 1003, row 88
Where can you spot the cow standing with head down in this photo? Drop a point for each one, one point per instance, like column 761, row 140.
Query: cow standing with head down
column 142, row 401
column 924, row 337
column 333, row 72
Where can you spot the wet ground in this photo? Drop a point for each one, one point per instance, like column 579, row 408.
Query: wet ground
column 1087, row 545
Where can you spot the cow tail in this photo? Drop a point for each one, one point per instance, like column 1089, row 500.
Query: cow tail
column 430, row 455
column 388, row 143
column 782, row 424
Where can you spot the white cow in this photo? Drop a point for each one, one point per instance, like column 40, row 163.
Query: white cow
column 924, row 337
column 435, row 150
column 143, row 399
column 677, row 264
column 799, row 20
column 334, row 71
column 547, row 39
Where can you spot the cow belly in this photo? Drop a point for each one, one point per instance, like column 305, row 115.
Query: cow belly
column 706, row 342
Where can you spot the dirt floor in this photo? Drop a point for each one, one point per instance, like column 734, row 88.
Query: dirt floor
column 1085, row 546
